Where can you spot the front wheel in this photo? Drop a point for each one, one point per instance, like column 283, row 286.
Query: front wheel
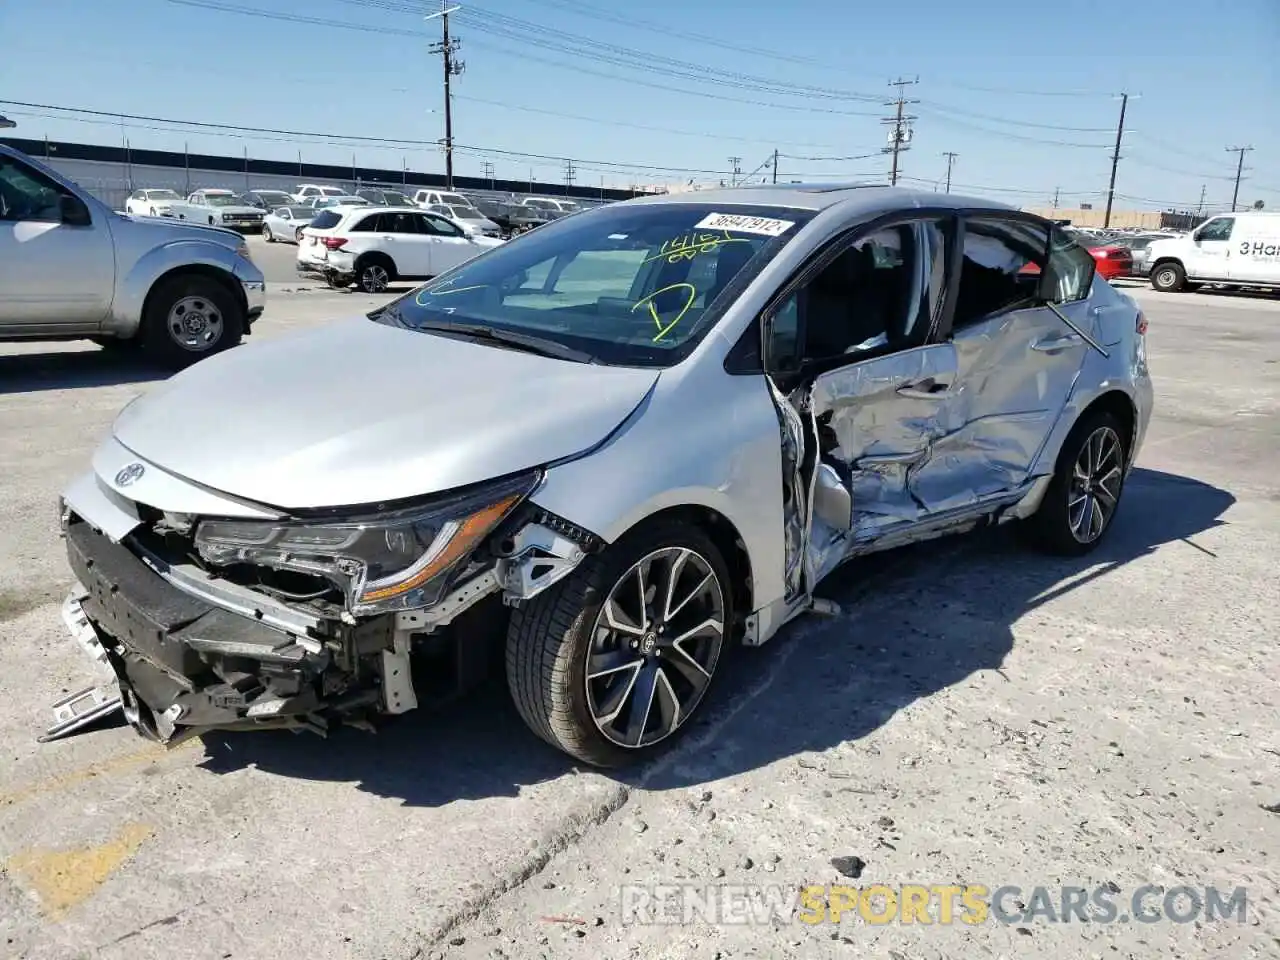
column 610, row 663
column 1082, row 498
column 187, row 318
column 1168, row 277
column 267, row 235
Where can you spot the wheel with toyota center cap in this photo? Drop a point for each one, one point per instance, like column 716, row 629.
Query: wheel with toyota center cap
column 610, row 663
column 190, row 317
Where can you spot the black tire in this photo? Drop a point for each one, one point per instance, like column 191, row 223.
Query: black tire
column 267, row 235
column 1168, row 277
column 549, row 638
column 216, row 320
column 1051, row 528
column 374, row 273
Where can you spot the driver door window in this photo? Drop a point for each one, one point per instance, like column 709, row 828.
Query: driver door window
column 878, row 295
column 439, row 226
column 1218, row 228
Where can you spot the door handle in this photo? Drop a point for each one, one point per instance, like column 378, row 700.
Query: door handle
column 926, row 389
column 1053, row 344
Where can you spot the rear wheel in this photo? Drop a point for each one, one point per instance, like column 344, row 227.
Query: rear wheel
column 189, row 317
column 1168, row 277
column 374, row 274
column 609, row 664
column 1085, row 491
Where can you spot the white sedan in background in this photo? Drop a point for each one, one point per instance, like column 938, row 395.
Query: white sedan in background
column 151, row 203
column 472, row 221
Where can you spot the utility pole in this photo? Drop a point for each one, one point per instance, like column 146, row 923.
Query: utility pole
column 447, row 48
column 1057, row 191
column 951, row 158
column 900, row 135
column 1200, row 205
column 570, row 172
column 737, row 170
column 775, row 166
column 488, row 172
column 1235, row 194
column 1115, row 160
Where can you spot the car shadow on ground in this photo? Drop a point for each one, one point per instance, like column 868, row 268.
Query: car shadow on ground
column 915, row 621
column 76, row 369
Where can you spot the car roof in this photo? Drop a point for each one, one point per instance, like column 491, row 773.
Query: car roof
column 856, row 197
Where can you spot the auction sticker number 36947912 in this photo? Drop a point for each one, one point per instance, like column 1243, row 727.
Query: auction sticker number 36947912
column 764, row 226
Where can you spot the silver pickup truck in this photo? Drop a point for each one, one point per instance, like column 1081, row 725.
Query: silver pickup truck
column 73, row 269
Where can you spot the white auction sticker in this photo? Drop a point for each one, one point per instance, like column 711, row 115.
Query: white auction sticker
column 742, row 224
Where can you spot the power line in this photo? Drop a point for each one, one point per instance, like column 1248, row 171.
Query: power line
column 520, row 108
column 1006, row 135
column 1016, row 123
column 900, row 135
column 1235, row 194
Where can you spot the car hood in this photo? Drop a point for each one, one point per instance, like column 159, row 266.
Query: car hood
column 360, row 412
column 237, row 208
column 177, row 229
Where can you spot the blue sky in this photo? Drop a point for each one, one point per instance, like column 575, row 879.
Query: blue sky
column 1023, row 92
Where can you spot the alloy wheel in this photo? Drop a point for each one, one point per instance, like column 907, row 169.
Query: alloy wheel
column 374, row 278
column 654, row 647
column 1094, row 490
column 195, row 323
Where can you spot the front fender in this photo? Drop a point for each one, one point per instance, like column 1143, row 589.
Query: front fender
column 137, row 281
column 704, row 439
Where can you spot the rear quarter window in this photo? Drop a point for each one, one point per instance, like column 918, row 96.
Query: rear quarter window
column 325, row 219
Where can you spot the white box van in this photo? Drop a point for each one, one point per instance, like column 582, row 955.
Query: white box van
column 1241, row 249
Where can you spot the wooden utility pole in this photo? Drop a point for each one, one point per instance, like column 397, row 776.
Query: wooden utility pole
column 1235, row 194
column 1115, row 160
column 951, row 158
column 900, row 135
column 447, row 48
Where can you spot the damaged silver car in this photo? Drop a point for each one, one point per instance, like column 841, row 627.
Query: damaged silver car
column 596, row 457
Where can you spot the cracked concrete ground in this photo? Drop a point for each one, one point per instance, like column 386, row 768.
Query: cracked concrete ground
column 977, row 715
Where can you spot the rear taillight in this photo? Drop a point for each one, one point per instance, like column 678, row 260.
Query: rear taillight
column 1117, row 254
column 1141, row 324
column 333, row 243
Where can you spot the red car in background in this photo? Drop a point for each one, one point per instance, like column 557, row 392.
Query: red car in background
column 1112, row 260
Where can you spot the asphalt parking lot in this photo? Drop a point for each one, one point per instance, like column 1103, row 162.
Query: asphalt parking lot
column 977, row 714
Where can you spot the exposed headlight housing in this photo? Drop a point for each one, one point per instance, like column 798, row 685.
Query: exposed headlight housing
column 396, row 560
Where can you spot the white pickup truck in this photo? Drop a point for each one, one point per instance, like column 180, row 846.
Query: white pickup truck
column 72, row 269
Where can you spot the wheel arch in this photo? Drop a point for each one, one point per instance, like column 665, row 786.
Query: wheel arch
column 377, row 256
column 724, row 534
column 221, row 277
column 1166, row 261
column 1120, row 405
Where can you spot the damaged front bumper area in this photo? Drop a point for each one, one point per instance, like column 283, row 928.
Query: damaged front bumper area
column 196, row 646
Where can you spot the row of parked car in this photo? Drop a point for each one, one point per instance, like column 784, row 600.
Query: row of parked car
column 281, row 215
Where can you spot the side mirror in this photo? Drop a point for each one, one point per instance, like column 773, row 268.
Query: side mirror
column 73, row 211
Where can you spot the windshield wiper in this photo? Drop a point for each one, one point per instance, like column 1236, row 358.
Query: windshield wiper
column 521, row 341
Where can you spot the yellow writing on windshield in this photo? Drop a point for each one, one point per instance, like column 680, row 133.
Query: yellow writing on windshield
column 691, row 295
column 689, row 245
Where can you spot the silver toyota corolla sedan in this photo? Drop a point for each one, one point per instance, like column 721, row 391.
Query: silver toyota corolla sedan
column 600, row 453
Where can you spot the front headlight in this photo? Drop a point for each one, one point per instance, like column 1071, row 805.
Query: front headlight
column 398, row 560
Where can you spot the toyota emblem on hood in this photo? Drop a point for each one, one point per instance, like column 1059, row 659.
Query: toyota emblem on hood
column 129, row 474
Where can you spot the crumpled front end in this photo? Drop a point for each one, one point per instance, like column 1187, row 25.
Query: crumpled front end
column 299, row 622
